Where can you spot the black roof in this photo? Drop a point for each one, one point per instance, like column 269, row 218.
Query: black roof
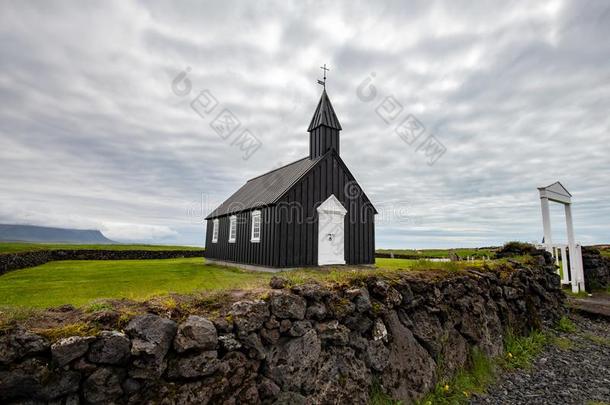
column 324, row 115
column 265, row 189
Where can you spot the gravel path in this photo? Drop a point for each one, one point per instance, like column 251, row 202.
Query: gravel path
column 576, row 374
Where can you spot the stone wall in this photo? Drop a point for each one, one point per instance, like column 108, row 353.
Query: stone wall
column 304, row 344
column 596, row 269
column 21, row 260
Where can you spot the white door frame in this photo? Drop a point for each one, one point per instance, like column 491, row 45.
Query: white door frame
column 331, row 232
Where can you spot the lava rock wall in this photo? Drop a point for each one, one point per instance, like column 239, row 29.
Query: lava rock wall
column 21, row 260
column 305, row 344
column 596, row 269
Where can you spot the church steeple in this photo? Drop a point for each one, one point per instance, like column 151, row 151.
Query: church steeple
column 323, row 129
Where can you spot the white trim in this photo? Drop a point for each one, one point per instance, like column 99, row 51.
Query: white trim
column 232, row 228
column 256, row 217
column 332, row 206
column 215, row 230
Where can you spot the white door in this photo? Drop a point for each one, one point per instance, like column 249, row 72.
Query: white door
column 331, row 246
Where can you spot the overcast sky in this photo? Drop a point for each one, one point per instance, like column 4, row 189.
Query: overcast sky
column 95, row 134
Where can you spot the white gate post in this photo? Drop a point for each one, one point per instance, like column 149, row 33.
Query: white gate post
column 578, row 282
column 564, row 266
column 546, row 224
column 581, row 269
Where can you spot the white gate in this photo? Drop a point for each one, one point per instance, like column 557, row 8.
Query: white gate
column 331, row 235
column 572, row 269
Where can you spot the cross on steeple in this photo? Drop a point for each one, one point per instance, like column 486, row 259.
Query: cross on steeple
column 325, row 69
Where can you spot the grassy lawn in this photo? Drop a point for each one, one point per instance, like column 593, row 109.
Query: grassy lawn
column 81, row 282
column 441, row 253
column 12, row 247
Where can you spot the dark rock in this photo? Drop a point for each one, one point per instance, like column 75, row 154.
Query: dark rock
column 267, row 389
column 228, row 342
column 249, row 316
column 248, row 395
column 290, row 398
column 83, row 366
column 358, row 322
column 357, row 341
column 342, row 378
column 479, row 326
column 407, row 296
column 65, row 350
column 196, row 333
column 510, row 293
column 311, row 290
column 361, row 299
column 278, row 283
column 103, row 386
column 428, row 331
column 131, row 386
column 384, row 291
column 316, row 311
column 20, row 343
column 286, row 305
column 285, row 325
column 199, row 392
column 34, row 380
column 596, row 269
column 332, row 332
column 193, row 366
column 253, row 342
column 59, row 384
column 380, row 331
column 454, row 352
column 272, row 323
column 410, row 372
column 112, row 348
column 270, row 336
column 299, row 328
column 293, row 363
column 222, row 325
column 71, row 399
column 377, row 355
column 151, row 339
column 340, row 307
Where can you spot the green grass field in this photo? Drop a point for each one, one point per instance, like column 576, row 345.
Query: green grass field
column 13, row 247
column 441, row 253
column 81, row 282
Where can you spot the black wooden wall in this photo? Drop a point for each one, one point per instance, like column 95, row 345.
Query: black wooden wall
column 321, row 140
column 289, row 233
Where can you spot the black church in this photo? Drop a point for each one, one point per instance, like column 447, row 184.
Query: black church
column 310, row 212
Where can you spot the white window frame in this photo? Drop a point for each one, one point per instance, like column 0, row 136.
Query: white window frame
column 256, row 219
column 215, row 231
column 232, row 229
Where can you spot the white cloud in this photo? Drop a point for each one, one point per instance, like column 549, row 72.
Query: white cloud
column 91, row 134
column 136, row 232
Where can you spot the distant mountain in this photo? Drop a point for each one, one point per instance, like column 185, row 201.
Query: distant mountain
column 31, row 233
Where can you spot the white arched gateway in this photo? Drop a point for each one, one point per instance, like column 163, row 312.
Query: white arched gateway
column 574, row 275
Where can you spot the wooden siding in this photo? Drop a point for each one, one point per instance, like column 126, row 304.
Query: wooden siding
column 289, row 229
column 263, row 253
column 321, row 140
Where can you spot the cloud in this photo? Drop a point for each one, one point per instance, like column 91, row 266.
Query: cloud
column 136, row 232
column 91, row 134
